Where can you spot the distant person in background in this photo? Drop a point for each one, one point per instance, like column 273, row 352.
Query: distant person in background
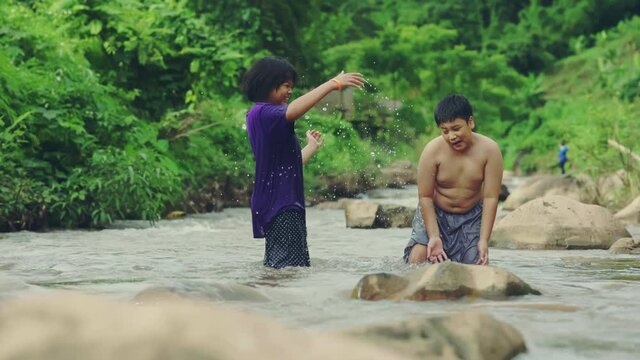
column 277, row 202
column 459, row 178
column 562, row 156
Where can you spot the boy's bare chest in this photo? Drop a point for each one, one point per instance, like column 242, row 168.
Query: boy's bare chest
column 465, row 172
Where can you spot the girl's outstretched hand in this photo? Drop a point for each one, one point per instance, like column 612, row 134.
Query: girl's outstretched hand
column 344, row 80
column 314, row 138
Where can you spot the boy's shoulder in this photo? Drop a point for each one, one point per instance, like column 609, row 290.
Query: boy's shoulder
column 486, row 142
column 435, row 144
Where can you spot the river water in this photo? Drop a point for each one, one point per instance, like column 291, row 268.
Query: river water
column 587, row 311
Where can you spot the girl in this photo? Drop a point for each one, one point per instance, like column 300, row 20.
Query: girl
column 277, row 203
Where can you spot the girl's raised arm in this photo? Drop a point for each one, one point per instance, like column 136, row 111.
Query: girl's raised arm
column 301, row 105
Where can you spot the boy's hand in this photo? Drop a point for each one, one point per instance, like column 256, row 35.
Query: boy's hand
column 483, row 250
column 314, row 138
column 435, row 251
column 343, row 80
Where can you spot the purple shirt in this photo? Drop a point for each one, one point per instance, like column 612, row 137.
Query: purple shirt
column 278, row 183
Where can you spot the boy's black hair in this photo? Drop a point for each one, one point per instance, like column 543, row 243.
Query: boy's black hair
column 265, row 75
column 452, row 107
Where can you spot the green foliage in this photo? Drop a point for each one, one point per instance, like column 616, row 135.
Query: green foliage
column 58, row 117
column 123, row 109
column 345, row 164
column 592, row 98
column 423, row 64
column 211, row 142
column 162, row 52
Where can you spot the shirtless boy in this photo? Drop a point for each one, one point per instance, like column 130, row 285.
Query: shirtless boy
column 459, row 177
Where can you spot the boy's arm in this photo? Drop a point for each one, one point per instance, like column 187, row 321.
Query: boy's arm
column 427, row 172
column 491, row 194
column 314, row 141
column 301, row 105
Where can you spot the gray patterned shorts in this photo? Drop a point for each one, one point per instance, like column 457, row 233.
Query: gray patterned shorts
column 460, row 234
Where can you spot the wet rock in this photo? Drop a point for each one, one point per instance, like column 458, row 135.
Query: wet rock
column 557, row 222
column 360, row 214
column 631, row 213
column 504, row 192
column 73, row 326
column 578, row 188
column 368, row 215
column 394, row 216
column 625, row 246
column 470, row 336
column 398, row 174
column 448, row 280
column 379, row 286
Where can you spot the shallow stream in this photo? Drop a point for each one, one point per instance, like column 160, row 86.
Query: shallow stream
column 589, row 308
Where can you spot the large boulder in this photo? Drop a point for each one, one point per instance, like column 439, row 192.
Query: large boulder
column 610, row 189
column 625, row 246
column 360, row 214
column 469, row 336
column 448, row 280
column 578, row 188
column 368, row 215
column 394, row 216
column 83, row 327
column 557, row 222
column 631, row 213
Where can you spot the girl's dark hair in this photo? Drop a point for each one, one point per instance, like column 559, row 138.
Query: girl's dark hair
column 265, row 75
column 453, row 107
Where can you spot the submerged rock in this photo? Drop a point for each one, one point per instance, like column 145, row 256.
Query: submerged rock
column 448, row 280
column 625, row 246
column 82, row 327
column 469, row 336
column 379, row 286
column 557, row 222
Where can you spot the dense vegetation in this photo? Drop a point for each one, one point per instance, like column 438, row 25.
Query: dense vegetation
column 127, row 109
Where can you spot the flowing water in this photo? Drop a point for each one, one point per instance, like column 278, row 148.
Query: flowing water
column 588, row 310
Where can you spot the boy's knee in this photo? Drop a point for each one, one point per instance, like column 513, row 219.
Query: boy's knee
column 418, row 254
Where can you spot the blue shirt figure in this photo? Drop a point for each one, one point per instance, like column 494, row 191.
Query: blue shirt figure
column 562, row 156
